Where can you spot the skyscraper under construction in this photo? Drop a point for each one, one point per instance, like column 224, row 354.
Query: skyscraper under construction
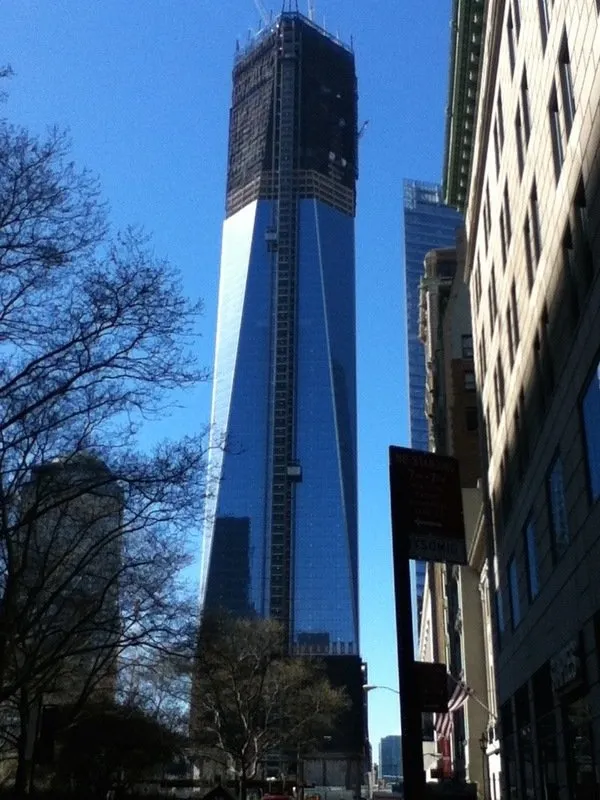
column 280, row 539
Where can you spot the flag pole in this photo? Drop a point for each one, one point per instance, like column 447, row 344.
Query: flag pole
column 472, row 694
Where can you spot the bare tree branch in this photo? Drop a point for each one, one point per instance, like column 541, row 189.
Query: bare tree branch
column 95, row 336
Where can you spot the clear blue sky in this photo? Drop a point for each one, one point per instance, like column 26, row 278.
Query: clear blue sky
column 144, row 88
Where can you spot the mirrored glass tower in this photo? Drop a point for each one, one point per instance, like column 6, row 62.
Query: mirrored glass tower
column 280, row 539
column 428, row 224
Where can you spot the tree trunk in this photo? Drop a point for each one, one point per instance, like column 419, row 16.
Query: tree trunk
column 24, row 742
column 243, row 785
column 20, row 785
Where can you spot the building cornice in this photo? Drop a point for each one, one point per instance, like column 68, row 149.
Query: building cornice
column 465, row 54
column 494, row 14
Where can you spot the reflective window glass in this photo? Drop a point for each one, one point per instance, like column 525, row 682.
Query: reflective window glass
column 591, row 426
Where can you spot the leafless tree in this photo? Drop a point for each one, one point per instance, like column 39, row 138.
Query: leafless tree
column 250, row 701
column 96, row 335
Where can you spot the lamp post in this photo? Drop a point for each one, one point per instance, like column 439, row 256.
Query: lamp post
column 483, row 743
column 368, row 687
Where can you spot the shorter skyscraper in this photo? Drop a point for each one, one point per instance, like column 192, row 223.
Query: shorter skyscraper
column 390, row 758
column 70, row 542
column 428, row 223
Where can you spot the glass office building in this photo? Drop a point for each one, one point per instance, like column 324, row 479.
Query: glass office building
column 280, row 539
column 390, row 758
column 428, row 224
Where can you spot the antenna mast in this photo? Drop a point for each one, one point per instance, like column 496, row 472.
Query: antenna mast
column 311, row 10
column 262, row 12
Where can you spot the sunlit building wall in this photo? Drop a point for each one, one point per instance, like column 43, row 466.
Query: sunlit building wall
column 533, row 216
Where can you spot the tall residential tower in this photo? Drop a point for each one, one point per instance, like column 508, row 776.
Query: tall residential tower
column 280, row 539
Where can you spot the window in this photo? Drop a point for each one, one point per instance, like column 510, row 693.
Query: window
column 511, row 40
column 517, row 10
column 570, row 268
column 544, row 10
column 509, row 748
column 556, row 135
column 497, row 397
column 513, row 593
column 499, row 389
column 501, row 380
column 514, row 315
column 511, row 343
column 512, row 324
column 582, row 238
column 482, row 355
column 518, row 432
column 543, row 703
column 535, row 223
column 506, row 485
column 486, row 231
column 520, row 142
column 477, row 285
column 531, row 560
column 558, row 509
column 503, row 239
column 493, row 301
column 591, row 431
column 539, row 375
column 524, row 437
column 528, row 251
column 566, row 84
column 500, row 612
column 579, row 748
column 487, row 216
column 507, row 216
column 471, row 418
column 547, row 362
column 467, row 345
column 525, row 107
column 496, row 148
column 524, row 742
column 470, row 384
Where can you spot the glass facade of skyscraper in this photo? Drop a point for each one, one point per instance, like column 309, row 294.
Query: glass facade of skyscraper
column 428, row 224
column 390, row 758
column 284, row 396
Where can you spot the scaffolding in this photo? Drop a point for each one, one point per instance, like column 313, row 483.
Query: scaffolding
column 284, row 329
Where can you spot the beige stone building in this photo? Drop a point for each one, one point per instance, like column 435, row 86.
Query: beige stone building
column 453, row 626
column 531, row 171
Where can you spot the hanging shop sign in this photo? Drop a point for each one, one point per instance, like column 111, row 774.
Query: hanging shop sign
column 427, row 507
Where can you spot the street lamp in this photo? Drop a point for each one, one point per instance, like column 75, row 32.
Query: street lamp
column 368, row 687
column 483, row 743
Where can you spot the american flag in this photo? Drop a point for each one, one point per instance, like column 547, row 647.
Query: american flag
column 444, row 722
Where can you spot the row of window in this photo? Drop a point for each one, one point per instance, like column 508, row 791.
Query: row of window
column 579, row 272
column 558, row 518
column 547, row 738
column 560, row 129
column 561, row 124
